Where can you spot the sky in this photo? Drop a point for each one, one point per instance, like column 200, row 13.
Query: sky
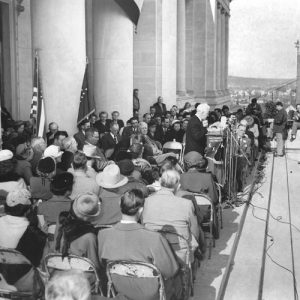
column 262, row 37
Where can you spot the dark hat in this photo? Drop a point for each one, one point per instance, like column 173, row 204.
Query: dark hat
column 126, row 167
column 194, row 159
column 61, row 181
column 46, row 165
column 279, row 103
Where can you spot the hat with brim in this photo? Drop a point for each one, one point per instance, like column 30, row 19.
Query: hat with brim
column 5, row 155
column 87, row 206
column 53, row 151
column 111, row 177
column 90, row 150
column 193, row 159
column 21, row 196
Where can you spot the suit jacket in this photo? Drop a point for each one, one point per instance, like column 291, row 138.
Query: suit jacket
column 128, row 131
column 195, row 136
column 280, row 121
column 160, row 110
column 108, row 142
column 120, row 123
column 50, row 141
column 101, row 127
column 80, row 139
column 163, row 210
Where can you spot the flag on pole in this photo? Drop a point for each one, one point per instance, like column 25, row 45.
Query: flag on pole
column 37, row 112
column 132, row 8
column 87, row 105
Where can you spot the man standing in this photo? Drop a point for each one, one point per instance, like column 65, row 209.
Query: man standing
column 197, row 129
column 102, row 125
column 160, row 107
column 279, row 128
column 296, row 123
column 53, row 128
column 136, row 100
column 110, row 141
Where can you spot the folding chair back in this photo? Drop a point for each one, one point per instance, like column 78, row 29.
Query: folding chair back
column 12, row 264
column 201, row 200
column 174, row 147
column 55, row 262
column 124, row 275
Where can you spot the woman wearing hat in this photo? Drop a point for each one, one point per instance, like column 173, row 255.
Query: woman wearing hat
column 9, row 180
column 18, row 231
column 40, row 186
column 24, row 155
column 176, row 133
column 76, row 234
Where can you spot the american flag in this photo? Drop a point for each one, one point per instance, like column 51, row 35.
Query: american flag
column 87, row 105
column 37, row 112
column 132, row 8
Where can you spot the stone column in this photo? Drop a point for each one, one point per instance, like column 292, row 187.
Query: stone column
column 218, row 46
column 181, row 88
column 298, row 77
column 199, row 49
column 58, row 31
column 223, row 48
column 226, row 49
column 113, row 58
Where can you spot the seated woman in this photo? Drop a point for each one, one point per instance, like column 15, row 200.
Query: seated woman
column 18, row 231
column 9, row 180
column 40, row 186
column 76, row 234
column 176, row 133
column 24, row 155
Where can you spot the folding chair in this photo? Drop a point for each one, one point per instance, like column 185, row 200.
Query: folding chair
column 54, row 262
column 174, row 147
column 11, row 263
column 203, row 199
column 185, row 266
column 132, row 269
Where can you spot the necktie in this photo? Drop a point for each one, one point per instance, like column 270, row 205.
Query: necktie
column 116, row 139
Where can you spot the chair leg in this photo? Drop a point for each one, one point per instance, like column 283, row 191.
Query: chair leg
column 221, row 216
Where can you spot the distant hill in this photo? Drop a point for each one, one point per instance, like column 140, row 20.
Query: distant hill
column 252, row 83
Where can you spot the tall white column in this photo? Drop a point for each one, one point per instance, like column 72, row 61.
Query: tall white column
column 58, row 31
column 223, row 49
column 226, row 49
column 199, row 49
column 218, row 46
column 181, row 44
column 113, row 58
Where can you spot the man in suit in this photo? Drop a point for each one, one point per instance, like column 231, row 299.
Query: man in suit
column 115, row 119
column 132, row 129
column 138, row 244
column 160, row 107
column 197, row 129
column 102, row 125
column 80, row 135
column 53, row 128
column 164, row 211
column 111, row 140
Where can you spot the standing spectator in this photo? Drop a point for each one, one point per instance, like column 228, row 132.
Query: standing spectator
column 80, row 135
column 196, row 130
column 53, row 128
column 136, row 101
column 296, row 123
column 279, row 128
column 102, row 125
column 160, row 107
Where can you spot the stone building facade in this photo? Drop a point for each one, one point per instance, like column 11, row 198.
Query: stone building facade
column 179, row 50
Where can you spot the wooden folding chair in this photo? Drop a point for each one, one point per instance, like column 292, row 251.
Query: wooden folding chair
column 54, row 262
column 203, row 199
column 133, row 269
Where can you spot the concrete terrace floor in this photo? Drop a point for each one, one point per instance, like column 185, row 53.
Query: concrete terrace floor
column 253, row 274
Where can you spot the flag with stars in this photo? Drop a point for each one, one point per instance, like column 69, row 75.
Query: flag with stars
column 37, row 111
column 86, row 106
column 132, row 8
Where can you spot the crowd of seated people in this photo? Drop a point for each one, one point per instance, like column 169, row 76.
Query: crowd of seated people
column 112, row 175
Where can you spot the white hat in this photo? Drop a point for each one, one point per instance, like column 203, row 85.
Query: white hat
column 90, row 150
column 111, row 177
column 5, row 155
column 87, row 206
column 21, row 196
column 53, row 151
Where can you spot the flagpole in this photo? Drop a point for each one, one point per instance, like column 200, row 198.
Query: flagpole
column 37, row 85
